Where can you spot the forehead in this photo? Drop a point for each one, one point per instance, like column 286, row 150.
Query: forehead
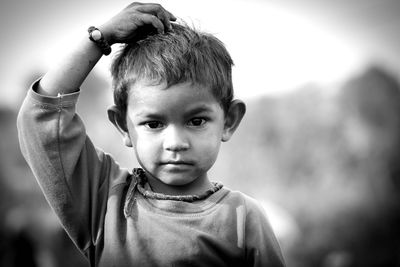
column 179, row 96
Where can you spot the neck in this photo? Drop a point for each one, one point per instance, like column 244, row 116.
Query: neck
column 196, row 187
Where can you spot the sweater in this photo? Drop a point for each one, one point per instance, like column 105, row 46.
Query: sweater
column 115, row 219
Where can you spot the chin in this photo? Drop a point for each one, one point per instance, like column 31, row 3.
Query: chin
column 176, row 181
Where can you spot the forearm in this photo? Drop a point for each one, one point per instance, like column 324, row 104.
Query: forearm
column 68, row 75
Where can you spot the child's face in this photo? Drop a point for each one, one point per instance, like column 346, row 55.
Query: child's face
column 176, row 132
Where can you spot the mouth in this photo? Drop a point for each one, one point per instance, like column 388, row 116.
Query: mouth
column 176, row 162
column 176, row 166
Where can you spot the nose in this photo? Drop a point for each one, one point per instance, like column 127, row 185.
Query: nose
column 175, row 139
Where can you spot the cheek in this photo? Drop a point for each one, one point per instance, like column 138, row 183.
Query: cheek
column 210, row 141
column 208, row 150
column 146, row 148
column 141, row 145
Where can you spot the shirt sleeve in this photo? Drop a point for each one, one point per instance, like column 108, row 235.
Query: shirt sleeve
column 262, row 247
column 72, row 173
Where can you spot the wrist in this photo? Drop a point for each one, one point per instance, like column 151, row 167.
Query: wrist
column 97, row 36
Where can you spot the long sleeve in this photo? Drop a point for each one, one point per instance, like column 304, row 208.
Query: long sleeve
column 72, row 173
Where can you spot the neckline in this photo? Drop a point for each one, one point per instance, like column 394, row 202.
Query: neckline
column 145, row 190
column 191, row 205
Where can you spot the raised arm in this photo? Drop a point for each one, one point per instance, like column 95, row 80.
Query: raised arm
column 129, row 25
column 72, row 173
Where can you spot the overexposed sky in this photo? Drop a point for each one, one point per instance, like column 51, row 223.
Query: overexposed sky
column 276, row 45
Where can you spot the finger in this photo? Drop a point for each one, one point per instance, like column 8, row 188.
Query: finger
column 149, row 8
column 171, row 16
column 166, row 18
column 162, row 15
column 153, row 20
column 134, row 4
column 157, row 10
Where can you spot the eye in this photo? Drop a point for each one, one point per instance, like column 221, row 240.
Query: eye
column 197, row 122
column 154, row 124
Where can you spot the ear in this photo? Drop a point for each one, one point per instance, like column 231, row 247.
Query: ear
column 115, row 116
column 233, row 118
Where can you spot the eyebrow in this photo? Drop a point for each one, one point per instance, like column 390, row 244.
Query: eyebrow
column 199, row 109
column 149, row 113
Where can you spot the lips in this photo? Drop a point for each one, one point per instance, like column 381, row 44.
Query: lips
column 176, row 162
column 176, row 166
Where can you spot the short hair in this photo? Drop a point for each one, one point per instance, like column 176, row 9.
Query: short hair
column 182, row 54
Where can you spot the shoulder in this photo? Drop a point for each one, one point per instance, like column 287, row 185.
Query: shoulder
column 251, row 205
column 116, row 175
column 253, row 214
column 249, row 208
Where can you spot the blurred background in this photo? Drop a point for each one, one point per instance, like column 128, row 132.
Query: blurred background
column 318, row 147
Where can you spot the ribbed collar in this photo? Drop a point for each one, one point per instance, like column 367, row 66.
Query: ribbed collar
column 140, row 184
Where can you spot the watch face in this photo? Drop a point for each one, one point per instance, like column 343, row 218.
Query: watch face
column 96, row 35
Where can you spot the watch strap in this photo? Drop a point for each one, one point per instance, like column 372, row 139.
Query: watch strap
column 99, row 40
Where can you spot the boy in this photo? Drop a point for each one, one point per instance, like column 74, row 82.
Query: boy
column 174, row 106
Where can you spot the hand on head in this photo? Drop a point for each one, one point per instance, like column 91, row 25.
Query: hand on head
column 137, row 21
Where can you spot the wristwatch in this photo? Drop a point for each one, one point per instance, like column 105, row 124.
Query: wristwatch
column 96, row 36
